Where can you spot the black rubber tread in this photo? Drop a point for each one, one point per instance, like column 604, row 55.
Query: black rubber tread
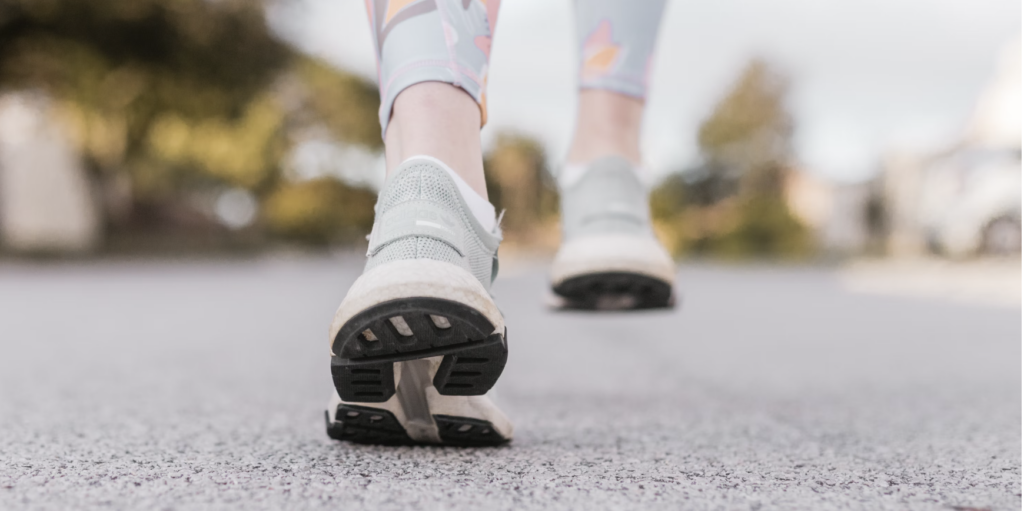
column 365, row 425
column 364, row 383
column 467, row 325
column 615, row 291
column 472, row 371
column 363, row 369
column 464, row 431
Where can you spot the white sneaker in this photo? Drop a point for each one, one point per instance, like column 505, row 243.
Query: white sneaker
column 609, row 258
column 418, row 340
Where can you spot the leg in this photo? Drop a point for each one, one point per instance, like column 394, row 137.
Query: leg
column 418, row 341
column 432, row 62
column 607, row 124
column 616, row 42
column 440, row 120
column 609, row 258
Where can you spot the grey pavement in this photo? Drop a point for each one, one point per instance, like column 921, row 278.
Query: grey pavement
column 201, row 384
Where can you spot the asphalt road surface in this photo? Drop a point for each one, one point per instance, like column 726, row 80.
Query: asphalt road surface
column 193, row 385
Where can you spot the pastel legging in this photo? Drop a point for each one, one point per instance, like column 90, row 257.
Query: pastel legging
column 450, row 41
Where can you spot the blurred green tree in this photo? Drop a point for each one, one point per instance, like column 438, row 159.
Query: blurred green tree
column 733, row 203
column 171, row 96
column 747, row 139
column 125, row 63
column 319, row 211
column 519, row 183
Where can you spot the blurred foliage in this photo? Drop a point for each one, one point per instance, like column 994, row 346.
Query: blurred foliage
column 175, row 97
column 519, row 182
column 243, row 152
column 346, row 104
column 196, row 57
column 750, row 126
column 732, row 204
column 319, row 211
column 170, row 100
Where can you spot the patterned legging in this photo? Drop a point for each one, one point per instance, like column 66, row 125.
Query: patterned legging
column 450, row 41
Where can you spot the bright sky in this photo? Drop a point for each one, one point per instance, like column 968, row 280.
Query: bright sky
column 867, row 75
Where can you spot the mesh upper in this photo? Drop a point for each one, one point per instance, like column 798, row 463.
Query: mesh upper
column 417, row 248
column 421, row 181
column 424, row 181
column 608, row 199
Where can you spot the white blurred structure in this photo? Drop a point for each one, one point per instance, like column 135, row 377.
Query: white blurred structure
column 46, row 202
column 960, row 201
column 965, row 199
column 971, row 202
column 997, row 117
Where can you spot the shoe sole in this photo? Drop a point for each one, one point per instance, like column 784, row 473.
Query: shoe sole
column 367, row 346
column 419, row 414
column 366, row 425
column 614, row 290
column 374, row 426
column 612, row 272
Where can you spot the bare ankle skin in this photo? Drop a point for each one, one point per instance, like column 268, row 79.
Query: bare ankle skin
column 607, row 124
column 440, row 120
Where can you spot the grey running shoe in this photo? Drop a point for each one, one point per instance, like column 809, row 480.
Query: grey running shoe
column 418, row 342
column 609, row 258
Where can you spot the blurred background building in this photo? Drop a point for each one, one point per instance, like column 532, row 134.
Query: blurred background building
column 964, row 198
column 781, row 129
column 46, row 199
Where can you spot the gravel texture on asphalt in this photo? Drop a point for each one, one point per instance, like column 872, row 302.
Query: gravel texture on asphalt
column 196, row 385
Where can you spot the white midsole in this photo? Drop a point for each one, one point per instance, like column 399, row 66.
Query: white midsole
column 422, row 278
column 612, row 253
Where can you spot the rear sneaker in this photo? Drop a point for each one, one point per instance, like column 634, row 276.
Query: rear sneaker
column 418, row 340
column 609, row 258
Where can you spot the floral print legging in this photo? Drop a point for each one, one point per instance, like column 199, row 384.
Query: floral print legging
column 450, row 41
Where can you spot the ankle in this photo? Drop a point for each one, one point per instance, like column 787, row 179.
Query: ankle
column 607, row 124
column 442, row 121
